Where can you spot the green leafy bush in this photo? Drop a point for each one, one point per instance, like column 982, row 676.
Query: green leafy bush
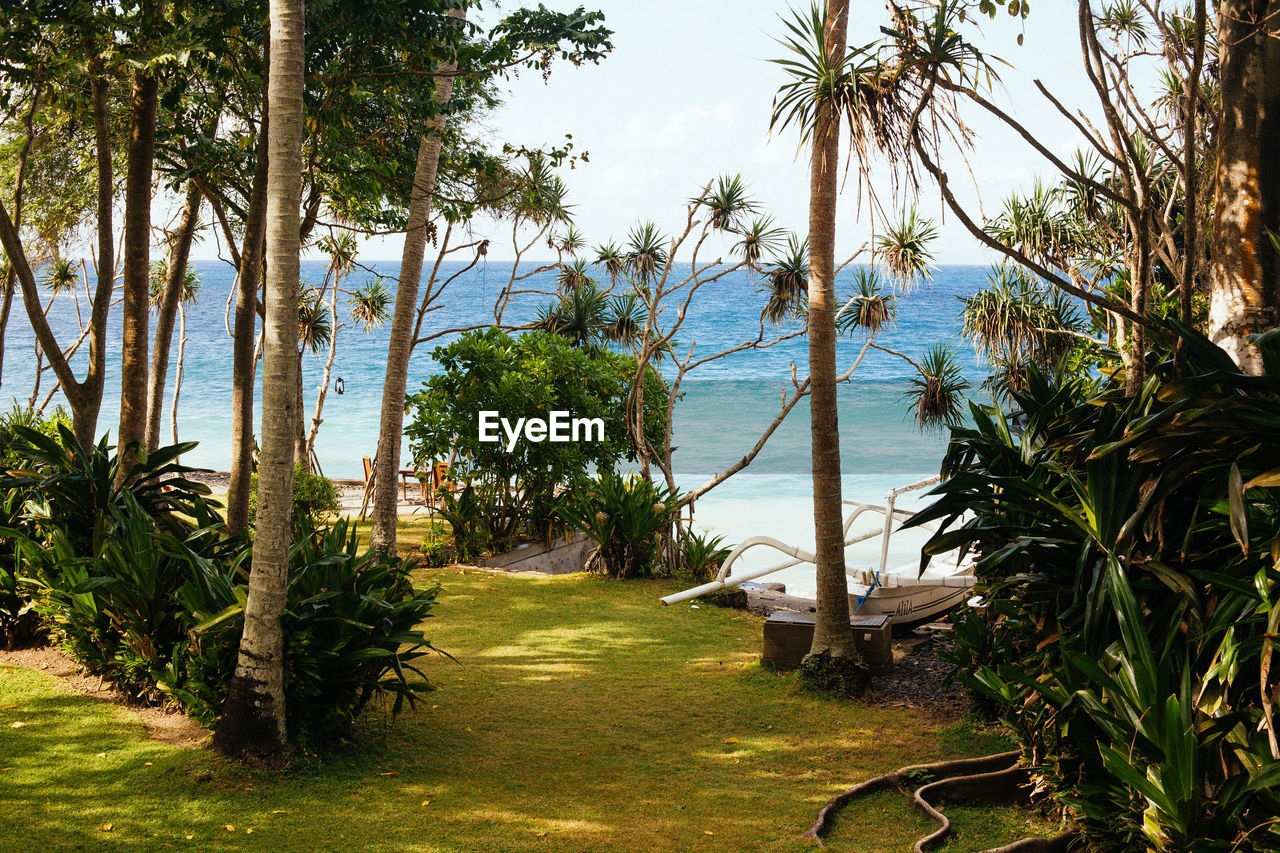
column 161, row 616
column 525, row 376
column 627, row 517
column 120, row 613
column 20, row 623
column 1127, row 554
column 469, row 522
column 701, row 555
column 25, row 416
column 74, row 489
column 54, row 487
column 141, row 584
column 315, row 498
column 438, row 548
column 351, row 630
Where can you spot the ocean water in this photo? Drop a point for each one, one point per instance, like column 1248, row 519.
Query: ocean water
column 727, row 404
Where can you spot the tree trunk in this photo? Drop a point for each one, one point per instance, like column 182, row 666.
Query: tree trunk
column 253, row 721
column 299, row 428
column 169, row 306
column 391, row 425
column 84, row 398
column 1244, row 292
column 244, row 358
column 88, row 399
column 831, row 633
column 4, row 313
column 177, row 379
column 137, row 268
column 323, row 390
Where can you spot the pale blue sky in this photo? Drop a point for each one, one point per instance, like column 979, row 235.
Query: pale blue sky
column 686, row 96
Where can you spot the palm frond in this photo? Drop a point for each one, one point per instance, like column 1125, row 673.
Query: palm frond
column 758, row 237
column 872, row 309
column 370, row 304
column 905, row 252
column 646, row 253
column 727, row 203
column 787, row 279
column 936, row 392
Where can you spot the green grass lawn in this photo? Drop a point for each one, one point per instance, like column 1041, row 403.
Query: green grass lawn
column 580, row 716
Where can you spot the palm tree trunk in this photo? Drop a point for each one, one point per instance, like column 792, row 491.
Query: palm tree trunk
column 1244, row 292
column 253, row 717
column 137, row 267
column 391, row 425
column 832, row 633
column 299, row 427
column 169, row 306
column 244, row 358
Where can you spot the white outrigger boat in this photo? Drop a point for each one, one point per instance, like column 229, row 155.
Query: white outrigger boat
column 901, row 592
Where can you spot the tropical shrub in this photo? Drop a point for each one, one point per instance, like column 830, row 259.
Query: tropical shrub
column 161, row 616
column 1127, row 555
column 60, row 494
column 120, row 613
column 701, row 555
column 141, row 584
column 525, row 376
column 315, row 498
column 75, row 490
column 469, row 522
column 20, row 623
column 627, row 517
column 25, row 416
column 351, row 629
column 438, row 548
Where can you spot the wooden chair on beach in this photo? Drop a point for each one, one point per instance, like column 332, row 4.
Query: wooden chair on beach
column 405, row 474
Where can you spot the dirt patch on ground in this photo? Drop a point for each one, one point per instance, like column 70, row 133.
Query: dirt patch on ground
column 167, row 726
column 918, row 677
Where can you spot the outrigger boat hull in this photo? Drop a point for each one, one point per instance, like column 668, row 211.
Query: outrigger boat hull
column 904, row 593
column 908, row 605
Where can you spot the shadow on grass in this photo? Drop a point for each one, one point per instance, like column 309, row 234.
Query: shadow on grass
column 581, row 716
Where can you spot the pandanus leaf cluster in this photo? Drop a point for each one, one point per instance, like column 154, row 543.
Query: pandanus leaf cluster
column 1126, row 551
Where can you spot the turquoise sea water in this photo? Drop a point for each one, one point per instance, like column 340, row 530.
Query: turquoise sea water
column 727, row 405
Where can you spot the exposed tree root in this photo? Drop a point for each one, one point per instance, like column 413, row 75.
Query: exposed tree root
column 989, row 778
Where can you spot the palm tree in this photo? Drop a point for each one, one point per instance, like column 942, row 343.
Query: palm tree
column 580, row 315
column 727, row 203
column 613, row 259
column 391, row 425
column 135, row 310
column 812, row 99
column 756, row 238
column 369, row 304
column 253, row 716
column 872, row 309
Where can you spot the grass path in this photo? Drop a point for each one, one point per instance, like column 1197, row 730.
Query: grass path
column 581, row 716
